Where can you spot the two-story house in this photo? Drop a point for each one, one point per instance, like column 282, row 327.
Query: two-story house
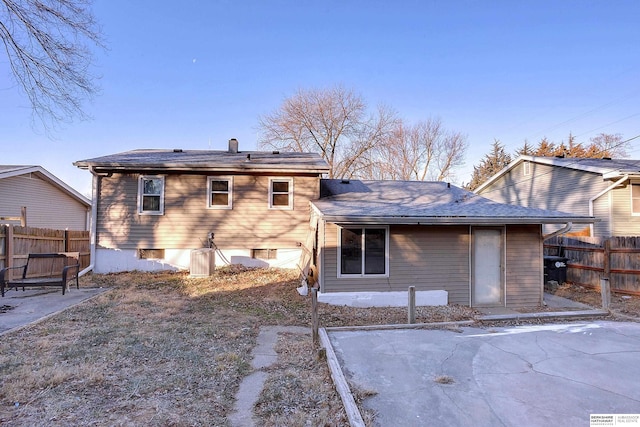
column 154, row 207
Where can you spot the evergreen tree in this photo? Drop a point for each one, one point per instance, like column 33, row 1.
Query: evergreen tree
column 490, row 164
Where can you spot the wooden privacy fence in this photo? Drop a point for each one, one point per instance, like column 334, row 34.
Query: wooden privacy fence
column 590, row 259
column 17, row 242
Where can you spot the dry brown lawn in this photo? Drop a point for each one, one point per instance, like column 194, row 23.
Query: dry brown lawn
column 625, row 305
column 167, row 350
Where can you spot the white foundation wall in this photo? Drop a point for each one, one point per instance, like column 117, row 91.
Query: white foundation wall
column 116, row 260
column 383, row 299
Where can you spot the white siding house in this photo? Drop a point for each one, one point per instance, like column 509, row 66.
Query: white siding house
column 49, row 202
column 608, row 189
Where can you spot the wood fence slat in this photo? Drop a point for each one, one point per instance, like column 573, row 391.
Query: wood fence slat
column 16, row 242
column 590, row 259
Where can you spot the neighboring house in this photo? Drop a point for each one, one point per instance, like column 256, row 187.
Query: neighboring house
column 49, row 202
column 608, row 189
column 152, row 208
column 381, row 236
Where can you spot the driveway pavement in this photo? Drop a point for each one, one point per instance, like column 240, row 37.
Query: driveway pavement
column 19, row 308
column 555, row 374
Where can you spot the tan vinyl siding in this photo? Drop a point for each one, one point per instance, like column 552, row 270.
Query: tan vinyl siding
column 429, row 258
column 524, row 266
column 47, row 206
column 547, row 187
column 624, row 223
column 187, row 220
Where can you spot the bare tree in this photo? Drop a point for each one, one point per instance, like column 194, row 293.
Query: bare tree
column 610, row 145
column 333, row 122
column 357, row 144
column 47, row 45
column 419, row 152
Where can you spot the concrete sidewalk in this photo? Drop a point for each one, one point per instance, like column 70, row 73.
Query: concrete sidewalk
column 538, row 375
column 20, row 308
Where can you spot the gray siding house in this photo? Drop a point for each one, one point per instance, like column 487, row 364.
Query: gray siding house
column 49, row 202
column 608, row 189
column 382, row 236
column 152, row 208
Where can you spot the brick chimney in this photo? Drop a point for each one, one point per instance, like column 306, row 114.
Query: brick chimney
column 233, row 145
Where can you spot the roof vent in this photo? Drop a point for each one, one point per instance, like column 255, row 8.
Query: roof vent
column 248, row 157
column 275, row 152
column 606, row 158
column 233, row 146
column 177, row 150
column 344, row 181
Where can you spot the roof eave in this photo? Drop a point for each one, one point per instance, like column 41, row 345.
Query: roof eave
column 217, row 168
column 366, row 220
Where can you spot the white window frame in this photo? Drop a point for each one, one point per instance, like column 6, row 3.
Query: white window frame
column 362, row 268
column 229, row 204
column 141, row 194
column 289, row 193
column 633, row 213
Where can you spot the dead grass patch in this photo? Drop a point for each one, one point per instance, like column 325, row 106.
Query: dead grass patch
column 163, row 349
column 628, row 305
column 444, row 379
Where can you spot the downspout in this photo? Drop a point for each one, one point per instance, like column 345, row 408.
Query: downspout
column 563, row 230
column 94, row 216
column 602, row 193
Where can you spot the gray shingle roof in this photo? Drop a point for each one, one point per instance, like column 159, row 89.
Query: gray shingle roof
column 601, row 166
column 208, row 160
column 608, row 168
column 413, row 202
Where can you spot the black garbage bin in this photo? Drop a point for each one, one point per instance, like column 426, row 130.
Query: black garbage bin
column 555, row 269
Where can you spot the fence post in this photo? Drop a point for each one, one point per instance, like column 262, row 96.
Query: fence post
column 314, row 315
column 23, row 216
column 66, row 240
column 412, row 305
column 607, row 258
column 605, row 291
column 8, row 249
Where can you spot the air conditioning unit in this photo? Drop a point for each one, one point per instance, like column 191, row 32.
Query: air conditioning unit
column 203, row 262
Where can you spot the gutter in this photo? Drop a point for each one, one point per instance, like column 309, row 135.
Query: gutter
column 452, row 220
column 602, row 193
column 563, row 230
column 94, row 215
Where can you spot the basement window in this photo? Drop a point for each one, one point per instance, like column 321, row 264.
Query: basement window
column 151, row 253
column 265, row 253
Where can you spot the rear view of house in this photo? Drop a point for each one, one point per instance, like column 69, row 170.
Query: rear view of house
column 154, row 207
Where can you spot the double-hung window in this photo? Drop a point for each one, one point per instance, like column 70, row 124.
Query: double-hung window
column 281, row 193
column 220, row 192
column 635, row 199
column 151, row 195
column 363, row 251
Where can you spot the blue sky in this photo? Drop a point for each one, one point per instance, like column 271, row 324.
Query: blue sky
column 192, row 74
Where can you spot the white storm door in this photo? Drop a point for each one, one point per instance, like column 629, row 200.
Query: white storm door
column 487, row 254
